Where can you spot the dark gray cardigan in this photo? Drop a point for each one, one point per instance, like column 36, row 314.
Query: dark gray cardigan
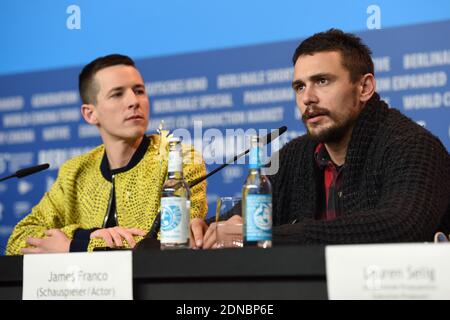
column 396, row 185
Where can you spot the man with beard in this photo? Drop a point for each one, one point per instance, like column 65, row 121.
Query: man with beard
column 363, row 173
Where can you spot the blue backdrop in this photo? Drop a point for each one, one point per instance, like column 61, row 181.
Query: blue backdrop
column 235, row 87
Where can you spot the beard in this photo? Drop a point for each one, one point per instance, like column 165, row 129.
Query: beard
column 335, row 133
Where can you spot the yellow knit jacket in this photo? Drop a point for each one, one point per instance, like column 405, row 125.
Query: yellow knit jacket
column 79, row 197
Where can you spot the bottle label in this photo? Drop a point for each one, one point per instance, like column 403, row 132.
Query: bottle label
column 174, row 220
column 175, row 162
column 258, row 217
column 255, row 158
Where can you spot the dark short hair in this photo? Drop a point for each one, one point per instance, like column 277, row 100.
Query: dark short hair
column 86, row 85
column 355, row 54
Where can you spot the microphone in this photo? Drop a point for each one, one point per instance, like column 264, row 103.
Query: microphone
column 264, row 140
column 27, row 171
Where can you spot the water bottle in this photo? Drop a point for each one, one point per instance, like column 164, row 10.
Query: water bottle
column 257, row 202
column 175, row 202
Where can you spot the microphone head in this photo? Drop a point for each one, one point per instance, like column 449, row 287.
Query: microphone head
column 273, row 135
column 27, row 171
column 264, row 140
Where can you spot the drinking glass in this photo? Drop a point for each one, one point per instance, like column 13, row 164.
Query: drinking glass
column 228, row 227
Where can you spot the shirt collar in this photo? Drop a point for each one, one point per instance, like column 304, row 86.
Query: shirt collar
column 135, row 159
column 321, row 156
column 323, row 159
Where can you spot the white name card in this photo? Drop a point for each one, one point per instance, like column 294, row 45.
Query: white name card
column 389, row 271
column 78, row 276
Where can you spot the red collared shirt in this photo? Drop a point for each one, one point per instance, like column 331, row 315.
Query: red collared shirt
column 332, row 184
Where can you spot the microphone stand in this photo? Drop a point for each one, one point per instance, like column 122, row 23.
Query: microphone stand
column 26, row 172
column 23, row 173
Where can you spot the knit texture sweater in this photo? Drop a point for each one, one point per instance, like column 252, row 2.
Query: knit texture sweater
column 80, row 195
column 395, row 188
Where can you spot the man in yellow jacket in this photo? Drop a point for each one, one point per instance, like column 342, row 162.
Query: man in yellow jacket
column 110, row 196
